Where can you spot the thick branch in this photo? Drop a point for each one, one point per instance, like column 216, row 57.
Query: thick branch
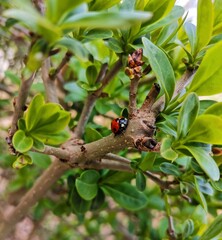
column 41, row 186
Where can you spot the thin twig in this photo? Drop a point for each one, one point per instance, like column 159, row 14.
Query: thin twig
column 3, row 88
column 171, row 230
column 91, row 99
column 40, row 6
column 158, row 181
column 20, row 103
column 151, row 97
column 64, row 61
column 132, row 96
column 134, row 71
column 117, row 158
column 17, row 27
column 180, row 85
column 109, row 76
column 50, row 87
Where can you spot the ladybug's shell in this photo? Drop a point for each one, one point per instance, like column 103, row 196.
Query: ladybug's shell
column 119, row 125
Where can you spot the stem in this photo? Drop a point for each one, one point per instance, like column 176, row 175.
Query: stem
column 50, row 87
column 180, row 85
column 20, row 103
column 151, row 97
column 64, row 61
column 39, row 189
column 171, row 230
column 158, row 181
column 91, row 99
column 132, row 96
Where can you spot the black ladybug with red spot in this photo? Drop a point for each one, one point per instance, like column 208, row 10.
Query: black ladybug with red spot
column 119, row 125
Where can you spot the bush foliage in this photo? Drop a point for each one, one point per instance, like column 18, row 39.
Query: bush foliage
column 75, row 65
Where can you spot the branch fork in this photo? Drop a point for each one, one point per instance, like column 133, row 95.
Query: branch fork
column 143, row 119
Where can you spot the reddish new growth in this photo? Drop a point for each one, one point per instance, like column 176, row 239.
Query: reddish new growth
column 134, row 69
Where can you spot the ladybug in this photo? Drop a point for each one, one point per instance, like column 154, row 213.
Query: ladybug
column 119, row 125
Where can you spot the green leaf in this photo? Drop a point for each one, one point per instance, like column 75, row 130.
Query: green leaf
column 98, row 201
column 51, row 138
column 76, row 92
column 92, row 135
column 205, row 161
column 78, row 204
column 167, row 33
column 217, row 185
column 213, row 230
column 21, row 142
column 127, row 196
column 204, row 28
column 38, row 145
column 190, row 30
column 140, row 181
column 41, row 160
column 55, row 9
column 22, row 161
column 52, row 119
column 205, row 104
column 22, row 124
column 170, row 169
column 148, row 161
column 35, row 22
column 215, row 109
column 98, row 50
column 91, row 74
column 32, row 114
column 90, row 176
column 75, row 46
column 159, row 8
column 114, row 177
column 207, row 80
column 115, row 45
column 166, row 151
column 37, row 54
column 187, row 115
column 200, row 195
column 206, row 129
column 217, row 12
column 13, row 77
column 188, row 228
column 98, row 33
column 86, row 184
column 173, row 16
column 89, row 88
column 205, row 186
column 102, row 4
column 104, row 19
column 161, row 67
column 87, row 191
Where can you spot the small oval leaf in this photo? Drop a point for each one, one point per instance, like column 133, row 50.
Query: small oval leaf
column 21, row 142
column 140, row 181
